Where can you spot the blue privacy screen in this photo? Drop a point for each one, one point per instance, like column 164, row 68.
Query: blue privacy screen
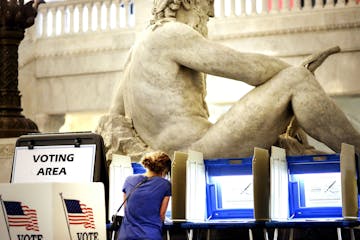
column 314, row 186
column 229, row 189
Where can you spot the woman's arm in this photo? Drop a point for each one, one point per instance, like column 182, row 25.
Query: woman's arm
column 163, row 207
column 124, row 197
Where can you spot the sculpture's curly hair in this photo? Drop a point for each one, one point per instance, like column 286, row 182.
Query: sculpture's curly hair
column 168, row 8
column 157, row 162
column 165, row 9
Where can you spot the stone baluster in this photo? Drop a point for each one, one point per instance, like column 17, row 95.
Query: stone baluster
column 117, row 14
column 49, row 22
column 54, row 22
column 264, row 7
column 307, row 5
column 81, row 17
column 275, row 6
column 112, row 16
column 102, row 16
column 286, row 6
column 121, row 18
column 60, row 22
column 243, row 7
column 221, row 8
column 64, row 21
column 297, row 5
column 89, row 22
column 108, row 14
column 317, row 4
column 329, row 4
column 352, row 3
column 42, row 25
column 45, row 23
column 91, row 17
column 232, row 8
column 340, row 3
column 71, row 18
column 253, row 7
column 127, row 13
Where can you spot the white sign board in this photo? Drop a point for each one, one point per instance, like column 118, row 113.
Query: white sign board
column 62, row 163
column 55, row 211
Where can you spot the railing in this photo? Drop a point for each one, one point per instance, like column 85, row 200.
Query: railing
column 225, row 8
column 84, row 16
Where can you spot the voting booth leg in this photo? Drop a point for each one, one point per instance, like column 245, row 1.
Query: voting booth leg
column 291, row 235
column 167, row 234
column 190, row 234
column 275, row 234
column 259, row 233
column 250, row 234
column 339, row 233
column 208, row 233
column 352, row 234
column 351, row 231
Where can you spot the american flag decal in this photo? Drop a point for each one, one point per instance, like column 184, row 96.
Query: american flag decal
column 20, row 215
column 79, row 213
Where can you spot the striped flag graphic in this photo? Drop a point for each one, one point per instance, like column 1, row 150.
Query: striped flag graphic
column 20, row 215
column 79, row 213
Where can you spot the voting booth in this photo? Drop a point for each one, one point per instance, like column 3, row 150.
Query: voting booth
column 220, row 189
column 265, row 186
column 315, row 186
column 268, row 190
column 323, row 186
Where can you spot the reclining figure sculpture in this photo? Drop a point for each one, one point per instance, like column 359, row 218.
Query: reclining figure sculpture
column 160, row 100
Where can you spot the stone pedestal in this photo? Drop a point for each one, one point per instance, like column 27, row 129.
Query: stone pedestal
column 7, row 148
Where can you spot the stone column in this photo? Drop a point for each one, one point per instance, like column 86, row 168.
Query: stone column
column 12, row 122
column 15, row 17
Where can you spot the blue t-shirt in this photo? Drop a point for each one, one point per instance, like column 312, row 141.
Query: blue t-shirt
column 142, row 210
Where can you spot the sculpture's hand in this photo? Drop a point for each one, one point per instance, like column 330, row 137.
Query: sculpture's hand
column 315, row 60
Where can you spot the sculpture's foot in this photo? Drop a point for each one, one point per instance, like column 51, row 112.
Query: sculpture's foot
column 315, row 60
column 295, row 142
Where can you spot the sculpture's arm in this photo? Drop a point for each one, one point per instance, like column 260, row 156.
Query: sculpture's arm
column 196, row 52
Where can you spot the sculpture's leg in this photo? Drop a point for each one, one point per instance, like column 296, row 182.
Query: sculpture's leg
column 265, row 112
column 321, row 118
column 294, row 140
